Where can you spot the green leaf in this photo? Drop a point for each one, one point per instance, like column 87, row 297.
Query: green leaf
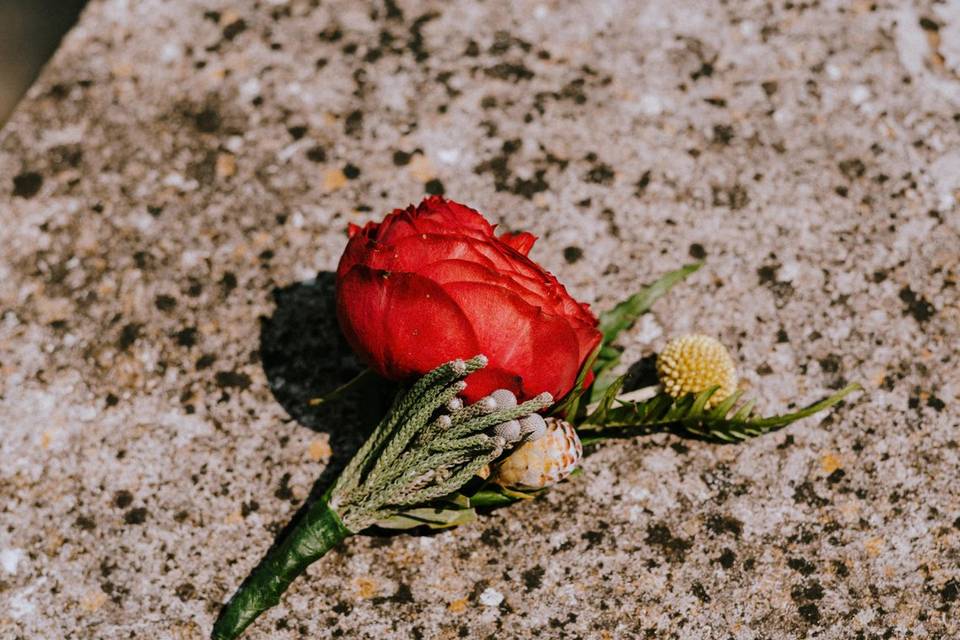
column 621, row 318
column 606, row 401
column 689, row 416
column 570, row 406
column 434, row 518
column 604, row 373
column 490, row 497
column 455, row 509
column 496, row 496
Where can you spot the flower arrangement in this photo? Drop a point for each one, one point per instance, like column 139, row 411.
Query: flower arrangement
column 505, row 378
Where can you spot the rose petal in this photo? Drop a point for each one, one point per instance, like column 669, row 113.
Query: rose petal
column 402, row 324
column 454, row 214
column 520, row 241
column 487, row 380
column 519, row 337
column 432, row 282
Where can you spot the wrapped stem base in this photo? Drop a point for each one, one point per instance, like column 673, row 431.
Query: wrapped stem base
column 319, row 532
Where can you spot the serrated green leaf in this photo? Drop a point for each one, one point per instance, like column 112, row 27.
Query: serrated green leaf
column 490, row 497
column 702, row 399
column 723, row 409
column 743, row 413
column 688, row 415
column 622, row 317
column 606, row 401
column 604, row 375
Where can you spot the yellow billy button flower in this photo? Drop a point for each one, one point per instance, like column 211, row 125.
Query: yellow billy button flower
column 695, row 363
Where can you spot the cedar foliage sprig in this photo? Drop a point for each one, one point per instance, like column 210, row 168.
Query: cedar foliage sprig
column 421, row 451
column 415, row 455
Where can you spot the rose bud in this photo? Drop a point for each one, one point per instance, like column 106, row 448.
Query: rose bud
column 434, row 282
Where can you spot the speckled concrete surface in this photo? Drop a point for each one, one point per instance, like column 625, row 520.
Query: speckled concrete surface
column 183, row 170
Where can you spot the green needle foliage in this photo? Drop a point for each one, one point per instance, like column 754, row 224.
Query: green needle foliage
column 418, row 454
column 728, row 422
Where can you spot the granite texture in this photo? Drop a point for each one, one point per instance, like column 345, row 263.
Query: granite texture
column 182, row 172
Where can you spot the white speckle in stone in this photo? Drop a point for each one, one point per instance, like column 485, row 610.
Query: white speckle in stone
column 291, row 149
column 177, row 181
column 651, row 105
column 783, row 117
column 491, row 597
column 788, row 271
column 448, row 156
column 234, row 144
column 557, row 539
column 600, row 486
column 949, row 48
column 945, row 172
column 118, row 10
column 649, row 329
column 20, row 605
column 9, row 559
column 540, row 12
column 143, row 222
column 169, row 53
column 833, row 71
column 866, row 616
column 661, row 462
column 250, row 89
column 859, row 94
column 190, row 259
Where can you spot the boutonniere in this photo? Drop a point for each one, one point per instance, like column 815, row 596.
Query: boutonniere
column 505, row 378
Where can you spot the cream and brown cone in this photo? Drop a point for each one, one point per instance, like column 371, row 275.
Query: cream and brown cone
column 543, row 462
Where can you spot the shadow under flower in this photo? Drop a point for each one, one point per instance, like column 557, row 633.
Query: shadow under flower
column 305, row 356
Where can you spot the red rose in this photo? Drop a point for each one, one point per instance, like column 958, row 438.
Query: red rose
column 433, row 283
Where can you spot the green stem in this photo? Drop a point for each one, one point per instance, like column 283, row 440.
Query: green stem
column 349, row 385
column 318, row 532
